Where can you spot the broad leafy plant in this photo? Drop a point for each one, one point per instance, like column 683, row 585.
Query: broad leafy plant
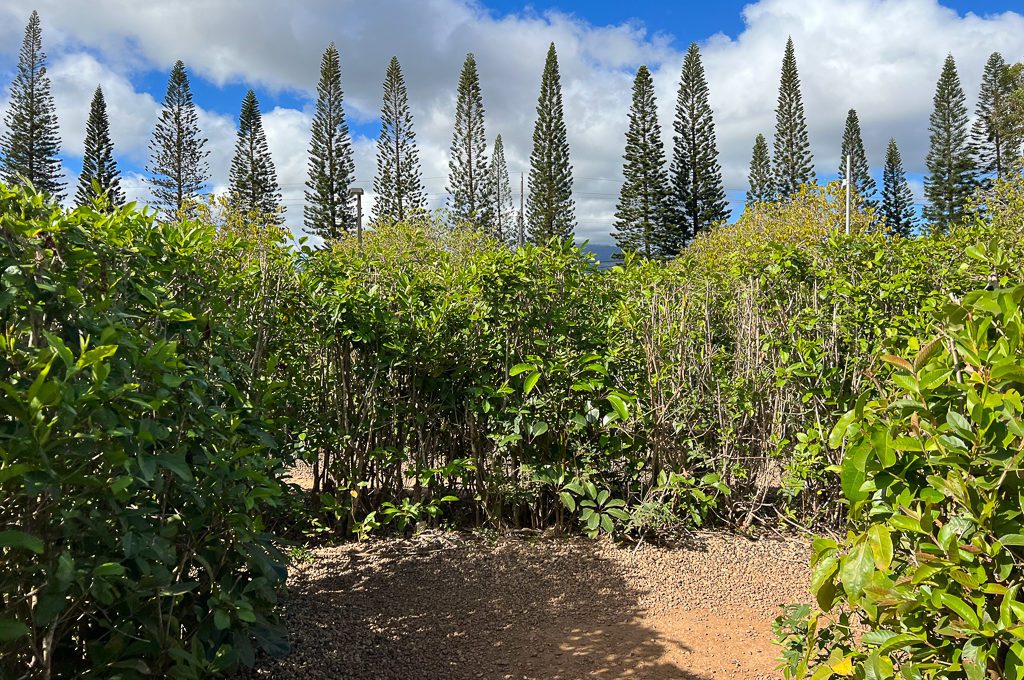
column 932, row 470
column 137, row 473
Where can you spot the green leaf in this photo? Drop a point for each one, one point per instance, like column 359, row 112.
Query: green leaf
column 823, row 581
column 619, row 405
column 962, row 609
column 96, row 355
column 109, row 569
column 959, row 424
column 179, row 588
column 567, row 500
column 878, row 636
column 1013, row 666
column 176, row 463
column 60, row 348
column 899, row 641
column 12, row 630
column 147, row 466
column 835, row 439
column 177, row 314
column 881, row 546
column 12, row 471
column 221, row 619
column 855, row 569
column 531, row 382
column 975, row 659
column 852, row 473
column 19, row 539
column 521, row 368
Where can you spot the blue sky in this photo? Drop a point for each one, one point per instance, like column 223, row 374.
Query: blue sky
column 681, row 23
column 690, row 20
column 879, row 56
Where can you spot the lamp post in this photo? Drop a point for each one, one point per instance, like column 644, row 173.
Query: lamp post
column 358, row 193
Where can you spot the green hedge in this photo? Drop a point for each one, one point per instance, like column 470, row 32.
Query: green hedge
column 927, row 582
column 135, row 469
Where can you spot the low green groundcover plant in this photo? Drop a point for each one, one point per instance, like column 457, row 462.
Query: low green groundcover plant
column 927, row 583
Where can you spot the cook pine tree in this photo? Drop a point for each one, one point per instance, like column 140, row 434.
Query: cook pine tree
column 762, row 184
column 897, row 214
column 30, row 146
column 550, row 212
column 253, row 189
column 792, row 164
column 951, row 174
column 996, row 147
column 469, row 194
column 643, row 214
column 100, row 176
column 398, row 185
column 328, row 211
column 697, row 190
column 177, row 163
column 503, row 223
column 862, row 184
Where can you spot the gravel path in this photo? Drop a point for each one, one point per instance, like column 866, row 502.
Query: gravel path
column 451, row 606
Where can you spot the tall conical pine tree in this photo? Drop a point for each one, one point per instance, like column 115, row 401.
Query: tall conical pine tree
column 762, row 184
column 177, row 162
column 328, row 212
column 793, row 163
column 503, row 223
column 467, row 167
column 995, row 146
column 698, row 194
column 253, row 189
column 643, row 211
column 951, row 174
column 853, row 146
column 398, row 187
column 550, row 212
column 100, row 176
column 30, row 147
column 897, row 199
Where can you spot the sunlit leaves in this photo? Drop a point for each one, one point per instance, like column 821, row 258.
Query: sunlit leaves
column 932, row 482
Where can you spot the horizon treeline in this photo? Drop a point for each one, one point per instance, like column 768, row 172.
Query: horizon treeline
column 666, row 199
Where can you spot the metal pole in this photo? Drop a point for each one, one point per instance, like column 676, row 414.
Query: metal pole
column 358, row 193
column 522, row 217
column 359, row 219
column 848, row 183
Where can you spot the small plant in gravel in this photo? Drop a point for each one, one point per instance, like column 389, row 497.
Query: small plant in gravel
column 599, row 512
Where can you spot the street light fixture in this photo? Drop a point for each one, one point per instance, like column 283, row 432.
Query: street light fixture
column 358, row 193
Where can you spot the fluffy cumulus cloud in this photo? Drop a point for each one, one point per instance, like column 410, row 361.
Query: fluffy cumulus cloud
column 881, row 57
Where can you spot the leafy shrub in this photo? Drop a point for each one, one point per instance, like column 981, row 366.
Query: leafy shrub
column 932, row 470
column 136, row 471
column 432, row 345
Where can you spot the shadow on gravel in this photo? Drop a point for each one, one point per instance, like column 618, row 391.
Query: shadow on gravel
column 520, row 609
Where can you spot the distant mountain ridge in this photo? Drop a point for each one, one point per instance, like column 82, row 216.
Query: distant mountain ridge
column 603, row 252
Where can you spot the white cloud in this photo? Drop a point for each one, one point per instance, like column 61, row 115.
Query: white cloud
column 881, row 57
column 74, row 78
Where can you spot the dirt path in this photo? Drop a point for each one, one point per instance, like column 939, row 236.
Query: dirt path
column 454, row 607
